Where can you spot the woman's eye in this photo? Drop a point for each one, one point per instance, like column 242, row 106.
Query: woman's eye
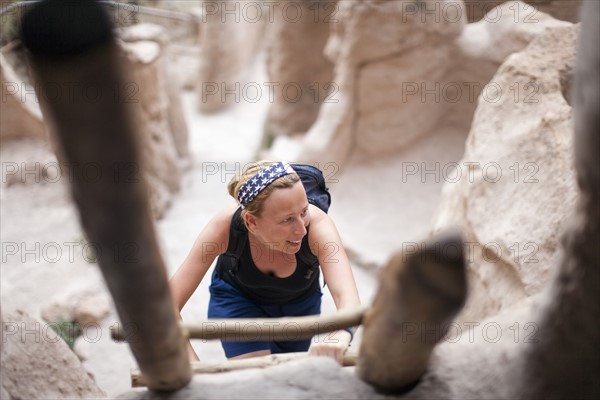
column 290, row 219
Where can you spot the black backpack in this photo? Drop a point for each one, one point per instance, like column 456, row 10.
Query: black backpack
column 317, row 194
column 314, row 185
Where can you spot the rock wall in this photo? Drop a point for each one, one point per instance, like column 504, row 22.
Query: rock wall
column 230, row 34
column 297, row 64
column 38, row 364
column 404, row 73
column 176, row 118
column 566, row 10
column 480, row 50
column 20, row 114
column 158, row 113
column 153, row 95
column 84, row 307
column 379, row 49
column 516, row 185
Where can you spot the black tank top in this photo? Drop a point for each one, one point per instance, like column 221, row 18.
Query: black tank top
column 237, row 268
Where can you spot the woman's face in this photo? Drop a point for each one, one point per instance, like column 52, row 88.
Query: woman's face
column 283, row 220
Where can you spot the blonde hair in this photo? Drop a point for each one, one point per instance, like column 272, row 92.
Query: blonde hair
column 255, row 207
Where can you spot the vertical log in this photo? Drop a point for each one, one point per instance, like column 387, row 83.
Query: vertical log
column 419, row 295
column 565, row 362
column 83, row 94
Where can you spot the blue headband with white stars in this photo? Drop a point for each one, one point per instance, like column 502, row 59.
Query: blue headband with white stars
column 259, row 181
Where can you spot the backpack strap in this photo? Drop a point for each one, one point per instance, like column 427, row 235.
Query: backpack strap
column 228, row 262
column 306, row 256
column 237, row 236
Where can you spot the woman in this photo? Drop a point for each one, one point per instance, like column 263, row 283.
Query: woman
column 271, row 275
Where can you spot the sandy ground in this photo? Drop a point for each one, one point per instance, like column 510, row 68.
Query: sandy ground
column 43, row 260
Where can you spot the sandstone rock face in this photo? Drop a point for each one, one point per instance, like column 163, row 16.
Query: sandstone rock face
column 297, row 64
column 230, row 34
column 20, row 115
column 483, row 46
column 184, row 61
column 425, row 72
column 148, row 93
column 38, row 364
column 85, row 308
column 516, row 185
column 154, row 96
column 176, row 117
column 375, row 46
column 566, row 10
column 182, row 50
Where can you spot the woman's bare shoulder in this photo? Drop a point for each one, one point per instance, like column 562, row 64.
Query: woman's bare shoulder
column 218, row 227
column 225, row 215
column 316, row 214
column 322, row 231
column 320, row 223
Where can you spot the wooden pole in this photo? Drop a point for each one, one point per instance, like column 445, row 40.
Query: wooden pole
column 419, row 295
column 137, row 380
column 81, row 90
column 262, row 329
column 564, row 361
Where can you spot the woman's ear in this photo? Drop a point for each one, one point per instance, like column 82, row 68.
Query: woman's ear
column 250, row 221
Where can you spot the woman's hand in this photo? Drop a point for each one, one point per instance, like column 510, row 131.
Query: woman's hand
column 191, row 353
column 333, row 345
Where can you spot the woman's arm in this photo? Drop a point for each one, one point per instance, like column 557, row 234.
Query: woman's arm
column 326, row 244
column 211, row 242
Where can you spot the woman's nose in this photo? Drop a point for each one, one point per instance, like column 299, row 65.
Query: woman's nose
column 299, row 227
